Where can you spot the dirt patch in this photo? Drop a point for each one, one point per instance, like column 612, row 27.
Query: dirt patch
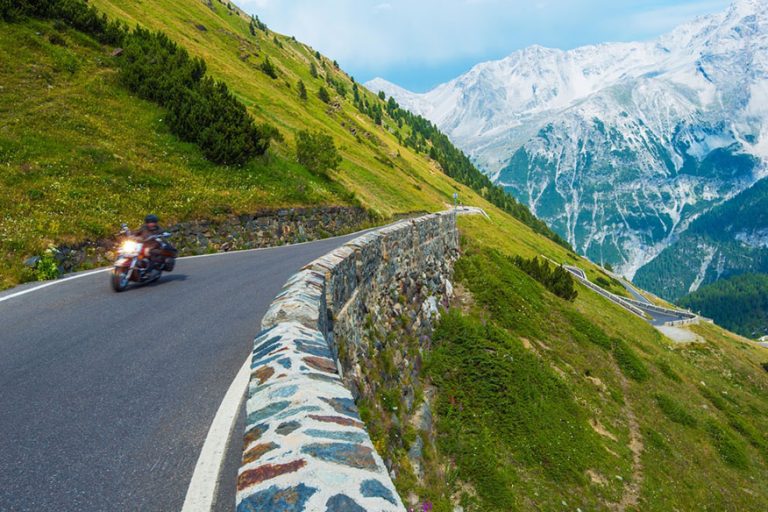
column 596, row 478
column 462, row 299
column 599, row 384
column 600, row 429
column 631, row 495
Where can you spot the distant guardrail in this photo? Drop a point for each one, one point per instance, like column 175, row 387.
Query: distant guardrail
column 624, row 303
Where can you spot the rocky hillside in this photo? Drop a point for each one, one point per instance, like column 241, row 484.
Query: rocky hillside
column 619, row 146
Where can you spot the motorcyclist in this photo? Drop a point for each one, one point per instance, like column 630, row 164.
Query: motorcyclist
column 151, row 227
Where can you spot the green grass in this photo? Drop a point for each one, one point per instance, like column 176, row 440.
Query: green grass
column 503, row 412
column 675, row 411
column 700, row 408
column 79, row 154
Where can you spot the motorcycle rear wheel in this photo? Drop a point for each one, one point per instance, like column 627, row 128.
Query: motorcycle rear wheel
column 119, row 279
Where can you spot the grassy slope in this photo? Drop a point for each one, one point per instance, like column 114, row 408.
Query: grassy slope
column 541, row 450
column 90, row 155
column 412, row 182
column 79, row 154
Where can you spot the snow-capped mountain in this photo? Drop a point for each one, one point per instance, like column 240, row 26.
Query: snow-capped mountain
column 618, row 146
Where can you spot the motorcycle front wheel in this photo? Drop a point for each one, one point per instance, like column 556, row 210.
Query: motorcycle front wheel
column 119, row 279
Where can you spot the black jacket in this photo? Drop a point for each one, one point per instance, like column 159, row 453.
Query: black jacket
column 145, row 232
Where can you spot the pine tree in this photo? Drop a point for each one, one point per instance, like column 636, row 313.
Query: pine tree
column 313, row 70
column 323, row 95
column 317, row 152
column 302, row 90
column 268, row 68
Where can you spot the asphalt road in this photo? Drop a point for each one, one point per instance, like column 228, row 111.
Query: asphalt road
column 657, row 318
column 106, row 398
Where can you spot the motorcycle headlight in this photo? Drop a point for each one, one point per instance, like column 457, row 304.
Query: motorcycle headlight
column 130, row 247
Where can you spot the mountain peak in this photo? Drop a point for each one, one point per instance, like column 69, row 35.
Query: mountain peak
column 559, row 128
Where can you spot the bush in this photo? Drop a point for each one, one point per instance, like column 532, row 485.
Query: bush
column 47, row 267
column 316, row 151
column 57, row 40
column 201, row 109
column 76, row 13
column 302, row 90
column 558, row 281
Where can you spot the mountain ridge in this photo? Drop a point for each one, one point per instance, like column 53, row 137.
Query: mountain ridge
column 662, row 121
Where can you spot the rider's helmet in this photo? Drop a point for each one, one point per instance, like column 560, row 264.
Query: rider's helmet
column 151, row 220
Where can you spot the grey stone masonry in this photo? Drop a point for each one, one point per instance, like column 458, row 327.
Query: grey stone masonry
column 305, row 446
column 267, row 228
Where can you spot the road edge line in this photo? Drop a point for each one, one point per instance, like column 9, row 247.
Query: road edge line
column 107, row 269
column 51, row 283
column 203, row 486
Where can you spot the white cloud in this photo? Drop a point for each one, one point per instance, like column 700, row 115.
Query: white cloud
column 372, row 36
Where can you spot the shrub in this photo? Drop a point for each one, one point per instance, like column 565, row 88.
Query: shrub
column 674, row 411
column 46, row 267
column 57, row 40
column 302, row 90
column 201, row 109
column 316, row 151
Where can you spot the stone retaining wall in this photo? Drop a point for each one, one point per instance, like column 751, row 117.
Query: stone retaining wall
column 305, row 446
column 261, row 229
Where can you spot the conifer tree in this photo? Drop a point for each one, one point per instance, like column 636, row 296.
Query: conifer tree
column 302, row 90
column 323, row 95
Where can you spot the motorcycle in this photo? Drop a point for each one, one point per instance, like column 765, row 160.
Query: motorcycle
column 141, row 261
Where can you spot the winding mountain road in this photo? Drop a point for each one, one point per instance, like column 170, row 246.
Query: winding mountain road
column 106, row 399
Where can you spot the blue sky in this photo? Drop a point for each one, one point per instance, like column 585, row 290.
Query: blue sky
column 421, row 43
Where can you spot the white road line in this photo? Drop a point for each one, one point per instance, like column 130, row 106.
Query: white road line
column 106, row 269
column 205, row 479
column 51, row 283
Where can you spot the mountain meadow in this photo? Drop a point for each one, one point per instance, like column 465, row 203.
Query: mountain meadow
column 544, row 395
